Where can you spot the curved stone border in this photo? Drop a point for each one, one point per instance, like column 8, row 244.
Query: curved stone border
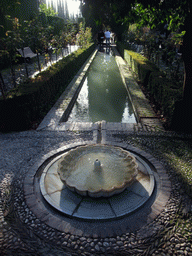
column 135, row 221
column 58, row 196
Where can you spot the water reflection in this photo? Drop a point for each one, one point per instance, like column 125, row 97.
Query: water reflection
column 103, row 95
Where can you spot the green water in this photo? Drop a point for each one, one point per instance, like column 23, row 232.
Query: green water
column 103, row 95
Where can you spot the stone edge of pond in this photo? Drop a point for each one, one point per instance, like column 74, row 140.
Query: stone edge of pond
column 142, row 108
column 63, row 106
column 55, row 118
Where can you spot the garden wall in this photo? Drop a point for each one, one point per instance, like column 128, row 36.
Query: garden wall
column 33, row 99
column 158, row 86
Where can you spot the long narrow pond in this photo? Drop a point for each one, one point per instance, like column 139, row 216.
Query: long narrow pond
column 103, row 95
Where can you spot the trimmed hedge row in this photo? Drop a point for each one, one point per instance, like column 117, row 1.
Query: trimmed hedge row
column 140, row 65
column 33, row 99
column 161, row 88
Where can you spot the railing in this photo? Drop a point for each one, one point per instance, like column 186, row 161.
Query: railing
column 33, row 67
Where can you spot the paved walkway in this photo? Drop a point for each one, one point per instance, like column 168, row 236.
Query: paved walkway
column 22, row 233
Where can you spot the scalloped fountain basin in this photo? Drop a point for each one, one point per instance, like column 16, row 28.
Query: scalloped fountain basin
column 97, row 170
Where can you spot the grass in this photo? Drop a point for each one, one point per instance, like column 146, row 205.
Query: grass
column 174, row 151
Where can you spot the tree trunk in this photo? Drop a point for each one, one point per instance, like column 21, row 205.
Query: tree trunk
column 187, row 57
column 182, row 118
column 2, row 86
column 26, row 69
column 38, row 61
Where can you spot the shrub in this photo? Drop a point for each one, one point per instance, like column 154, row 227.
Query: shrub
column 163, row 92
column 84, row 36
column 140, row 65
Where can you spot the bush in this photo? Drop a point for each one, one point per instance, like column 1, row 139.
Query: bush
column 84, row 36
column 140, row 65
column 163, row 92
column 31, row 100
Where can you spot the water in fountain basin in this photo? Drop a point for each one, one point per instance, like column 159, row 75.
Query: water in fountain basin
column 97, row 169
column 103, row 95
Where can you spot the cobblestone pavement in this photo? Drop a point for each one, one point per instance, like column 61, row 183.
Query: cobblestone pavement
column 21, row 233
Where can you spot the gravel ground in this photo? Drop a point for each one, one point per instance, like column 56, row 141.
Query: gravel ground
column 21, row 233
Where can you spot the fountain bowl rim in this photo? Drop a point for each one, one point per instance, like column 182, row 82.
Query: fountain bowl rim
column 103, row 192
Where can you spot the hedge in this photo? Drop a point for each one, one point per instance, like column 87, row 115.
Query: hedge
column 140, row 65
column 33, row 99
column 161, row 88
column 163, row 91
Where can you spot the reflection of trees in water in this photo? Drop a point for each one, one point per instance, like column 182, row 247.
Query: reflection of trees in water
column 107, row 94
column 103, row 95
column 129, row 106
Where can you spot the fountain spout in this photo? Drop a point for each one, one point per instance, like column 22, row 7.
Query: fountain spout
column 97, row 170
column 97, row 163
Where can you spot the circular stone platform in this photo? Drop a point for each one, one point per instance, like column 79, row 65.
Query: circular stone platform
column 85, row 207
column 59, row 208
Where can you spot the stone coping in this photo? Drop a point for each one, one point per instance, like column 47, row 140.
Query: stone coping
column 97, row 228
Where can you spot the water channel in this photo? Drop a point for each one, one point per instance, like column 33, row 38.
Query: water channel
column 103, row 95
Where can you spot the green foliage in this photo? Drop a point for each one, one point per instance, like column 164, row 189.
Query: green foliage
column 48, row 11
column 159, row 87
column 36, row 34
column 134, row 34
column 32, row 100
column 12, row 38
column 84, row 36
column 157, row 16
column 33, row 32
column 57, row 23
column 21, row 9
column 140, row 65
column 71, row 32
column 108, row 13
column 162, row 90
column 156, row 44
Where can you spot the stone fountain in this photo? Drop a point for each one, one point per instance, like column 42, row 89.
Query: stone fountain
column 96, row 182
column 97, row 170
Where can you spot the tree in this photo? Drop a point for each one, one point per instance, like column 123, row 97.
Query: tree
column 107, row 13
column 118, row 14
column 179, row 15
column 10, row 43
column 48, row 11
column 84, row 36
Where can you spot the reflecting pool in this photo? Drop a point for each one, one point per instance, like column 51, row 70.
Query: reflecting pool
column 103, row 95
